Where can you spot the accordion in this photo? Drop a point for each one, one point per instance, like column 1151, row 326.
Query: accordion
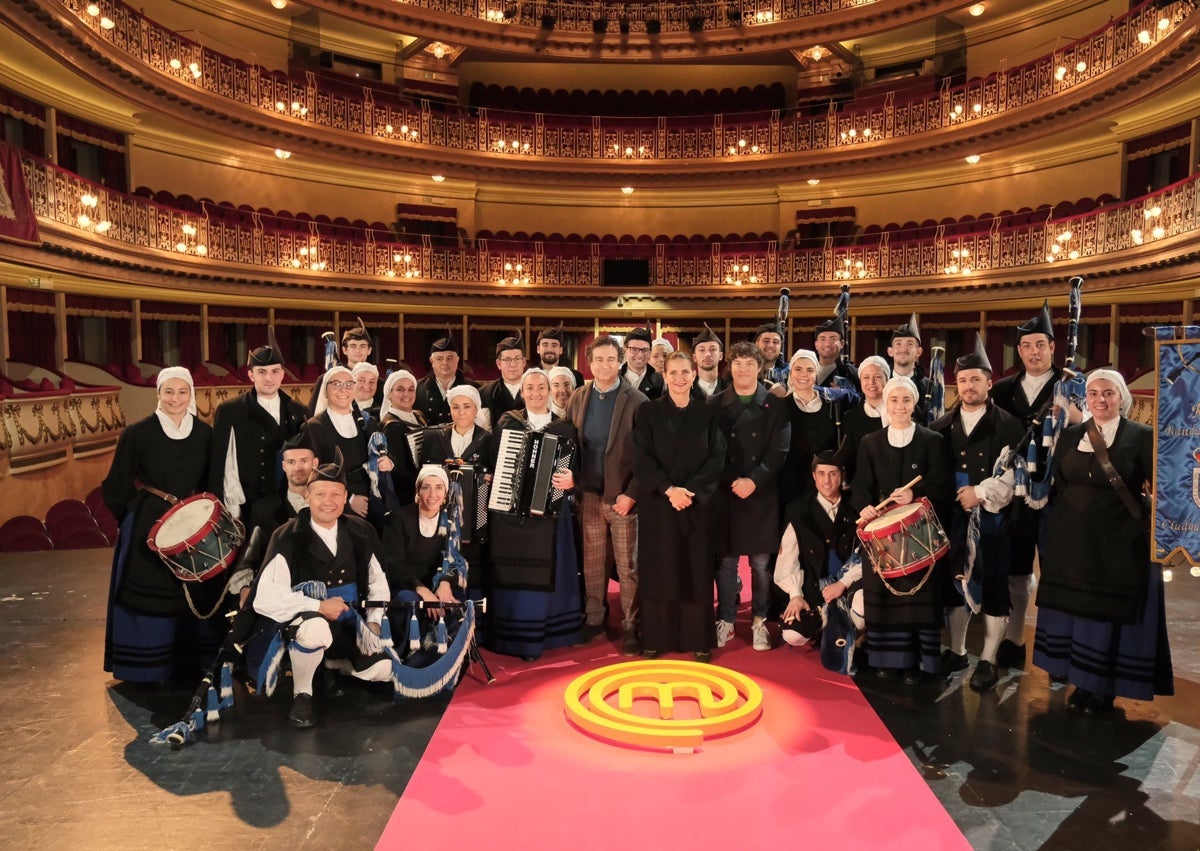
column 416, row 440
column 474, row 484
column 526, row 462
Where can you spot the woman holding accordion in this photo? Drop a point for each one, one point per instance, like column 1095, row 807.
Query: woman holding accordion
column 158, row 460
column 1101, row 622
column 535, row 603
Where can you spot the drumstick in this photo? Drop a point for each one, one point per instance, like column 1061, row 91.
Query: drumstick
column 881, row 505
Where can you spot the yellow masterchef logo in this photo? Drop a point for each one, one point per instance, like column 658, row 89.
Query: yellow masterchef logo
column 728, row 702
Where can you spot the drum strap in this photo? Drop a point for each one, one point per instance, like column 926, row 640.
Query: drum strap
column 163, row 495
column 1114, row 478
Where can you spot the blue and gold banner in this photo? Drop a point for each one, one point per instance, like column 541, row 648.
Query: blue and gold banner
column 1176, row 532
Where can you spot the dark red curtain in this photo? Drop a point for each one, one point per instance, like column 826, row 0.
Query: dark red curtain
column 31, row 337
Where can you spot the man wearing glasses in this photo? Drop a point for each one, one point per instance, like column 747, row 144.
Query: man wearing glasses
column 504, row 394
column 637, row 371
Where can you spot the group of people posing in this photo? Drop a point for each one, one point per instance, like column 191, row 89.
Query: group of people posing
column 670, row 471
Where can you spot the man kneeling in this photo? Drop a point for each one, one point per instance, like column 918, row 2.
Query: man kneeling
column 319, row 564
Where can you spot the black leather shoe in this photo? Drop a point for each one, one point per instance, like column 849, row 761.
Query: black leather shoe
column 984, row 676
column 649, row 654
column 302, row 711
column 703, row 655
column 886, row 673
column 590, row 632
column 630, row 646
column 1079, row 699
column 954, row 662
column 1098, row 704
column 912, row 677
column 330, row 683
column 1010, row 655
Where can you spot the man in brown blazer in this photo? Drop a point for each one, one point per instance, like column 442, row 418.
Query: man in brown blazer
column 602, row 412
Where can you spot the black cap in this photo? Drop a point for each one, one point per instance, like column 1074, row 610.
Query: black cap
column 642, row 334
column 444, row 344
column 769, row 328
column 1039, row 324
column 977, row 359
column 551, row 333
column 832, row 457
column 268, row 355
column 359, row 333
column 835, row 324
column 300, row 440
column 334, row 472
column 510, row 344
column 909, row 329
column 706, row 336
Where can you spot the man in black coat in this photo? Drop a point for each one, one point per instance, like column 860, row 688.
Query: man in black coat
column 504, row 394
column 818, row 540
column 248, row 433
column 271, row 511
column 637, row 371
column 745, row 508
column 976, row 433
column 1026, row 394
column 706, row 355
column 550, row 352
column 829, row 339
column 356, row 349
column 905, row 351
column 444, row 374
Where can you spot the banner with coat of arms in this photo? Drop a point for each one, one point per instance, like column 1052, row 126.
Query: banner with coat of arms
column 1176, row 531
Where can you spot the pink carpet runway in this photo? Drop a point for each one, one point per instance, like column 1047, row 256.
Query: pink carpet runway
column 506, row 769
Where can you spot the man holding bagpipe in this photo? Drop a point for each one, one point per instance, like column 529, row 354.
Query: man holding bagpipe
column 976, row 434
column 317, row 567
column 829, row 341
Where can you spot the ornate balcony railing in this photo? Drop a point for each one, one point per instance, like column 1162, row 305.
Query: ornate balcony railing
column 42, row 429
column 328, row 259
column 421, row 126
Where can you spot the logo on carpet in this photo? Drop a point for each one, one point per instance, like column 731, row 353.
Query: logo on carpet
column 728, row 702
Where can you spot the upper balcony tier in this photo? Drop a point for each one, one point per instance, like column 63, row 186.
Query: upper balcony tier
column 1135, row 57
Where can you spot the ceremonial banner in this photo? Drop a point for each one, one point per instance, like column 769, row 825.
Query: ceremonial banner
column 17, row 222
column 1176, row 531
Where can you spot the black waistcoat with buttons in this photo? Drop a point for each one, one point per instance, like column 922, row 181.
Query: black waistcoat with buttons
column 975, row 454
column 309, row 559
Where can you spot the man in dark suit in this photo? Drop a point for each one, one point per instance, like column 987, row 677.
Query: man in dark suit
column 504, row 394
column 444, row 374
column 637, row 371
column 829, row 338
column 1026, row 394
column 745, row 509
column 602, row 411
column 976, row 432
column 248, row 432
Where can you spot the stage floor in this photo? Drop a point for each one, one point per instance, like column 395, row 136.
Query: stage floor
column 1012, row 768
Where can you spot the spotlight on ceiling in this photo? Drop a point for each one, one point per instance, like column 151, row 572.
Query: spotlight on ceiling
column 600, row 26
column 653, row 26
column 548, row 22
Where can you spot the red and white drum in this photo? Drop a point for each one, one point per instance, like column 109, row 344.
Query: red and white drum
column 197, row 538
column 905, row 540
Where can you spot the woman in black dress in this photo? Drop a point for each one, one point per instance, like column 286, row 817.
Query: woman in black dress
column 814, row 427
column 535, row 601
column 149, row 619
column 1101, row 623
column 679, row 453
column 868, row 414
column 399, row 419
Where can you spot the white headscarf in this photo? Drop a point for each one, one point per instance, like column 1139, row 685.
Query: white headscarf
column 481, row 415
column 176, row 432
column 1117, row 379
column 876, row 360
column 365, row 367
column 804, row 353
column 562, row 370
column 322, row 401
column 900, row 382
column 665, row 343
column 390, row 385
column 435, row 470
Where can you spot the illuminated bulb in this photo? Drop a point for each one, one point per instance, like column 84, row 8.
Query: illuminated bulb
column 1136, row 236
column 1073, row 254
column 1195, row 571
column 107, row 23
column 516, row 144
column 1156, row 211
column 202, row 250
column 390, row 273
column 438, row 178
column 1163, row 23
column 404, row 129
column 1065, row 236
column 279, row 4
column 388, row 128
column 1060, row 72
column 867, row 133
column 181, row 247
column 93, row 9
column 1168, row 574
column 814, row 181
column 732, row 150
column 1158, row 232
column 977, row 108
column 439, row 50
column 282, row 154
column 88, row 200
column 195, row 69
column 84, row 220
column 103, row 226
column 629, row 152
column 958, row 109
column 977, row 10
column 189, row 230
column 175, row 64
column 972, row 158
column 626, row 190
column 741, row 143
column 817, row 53
column 1080, row 66
column 1144, row 36
column 641, row 150
column 1055, row 249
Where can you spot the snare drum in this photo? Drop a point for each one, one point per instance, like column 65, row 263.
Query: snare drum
column 197, row 538
column 905, row 540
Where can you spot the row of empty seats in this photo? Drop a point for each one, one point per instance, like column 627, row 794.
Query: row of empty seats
column 70, row 524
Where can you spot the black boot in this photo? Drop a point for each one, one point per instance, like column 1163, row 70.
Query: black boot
column 302, row 711
column 984, row 676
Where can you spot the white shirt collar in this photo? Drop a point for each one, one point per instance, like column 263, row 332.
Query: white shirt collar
column 901, row 437
column 269, row 404
column 176, row 432
column 972, row 418
column 427, row 525
column 1031, row 386
column 538, row 422
column 830, row 507
column 328, row 536
column 343, row 424
column 810, row 407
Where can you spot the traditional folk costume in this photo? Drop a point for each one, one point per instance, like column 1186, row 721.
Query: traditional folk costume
column 650, row 383
column 918, row 376
column 304, row 564
column 534, row 603
column 270, row 512
column 369, row 407
column 828, row 374
column 974, row 442
column 1026, row 398
column 863, row 418
column 556, row 334
column 433, row 400
column 397, row 425
column 248, row 436
column 149, row 619
column 361, row 334
column 677, row 447
column 348, row 433
column 499, row 397
column 815, row 551
column 701, row 388
column 903, row 632
column 1101, row 623
column 813, row 430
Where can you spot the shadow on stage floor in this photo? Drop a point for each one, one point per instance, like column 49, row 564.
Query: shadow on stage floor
column 1014, row 768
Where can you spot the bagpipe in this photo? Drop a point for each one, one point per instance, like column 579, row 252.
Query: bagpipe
column 842, row 392
column 832, row 621
column 935, row 393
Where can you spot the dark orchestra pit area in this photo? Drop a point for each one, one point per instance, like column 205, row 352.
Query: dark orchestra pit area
column 1013, row 768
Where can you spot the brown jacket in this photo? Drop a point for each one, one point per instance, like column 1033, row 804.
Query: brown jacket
column 619, row 475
